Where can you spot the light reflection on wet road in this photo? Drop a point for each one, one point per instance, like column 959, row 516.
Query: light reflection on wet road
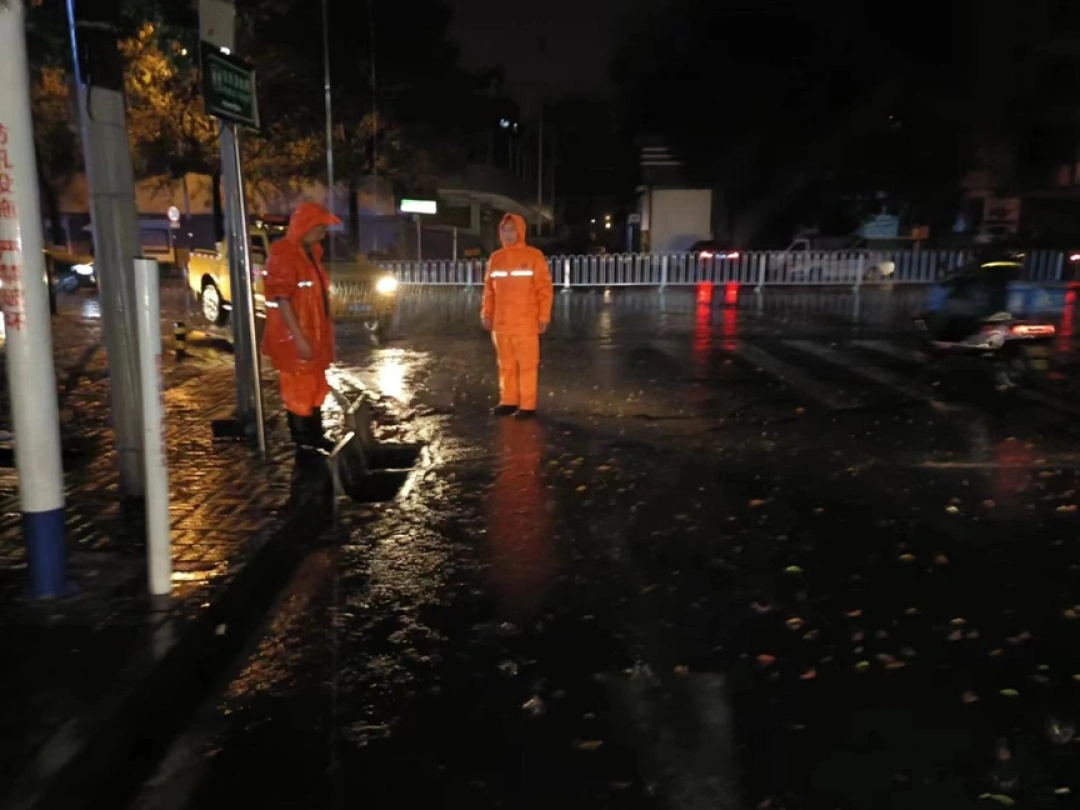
column 870, row 593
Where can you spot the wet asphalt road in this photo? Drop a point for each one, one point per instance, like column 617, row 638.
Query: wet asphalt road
column 749, row 557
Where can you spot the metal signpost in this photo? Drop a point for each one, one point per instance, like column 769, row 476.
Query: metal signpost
column 25, row 301
column 229, row 94
column 417, row 208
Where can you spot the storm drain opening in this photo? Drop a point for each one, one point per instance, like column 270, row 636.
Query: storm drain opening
column 372, row 476
column 366, row 470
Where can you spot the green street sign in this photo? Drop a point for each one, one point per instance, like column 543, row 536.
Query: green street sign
column 228, row 85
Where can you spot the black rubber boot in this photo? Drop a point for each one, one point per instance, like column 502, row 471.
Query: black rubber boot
column 318, row 436
column 298, row 428
column 504, row 410
column 523, row 414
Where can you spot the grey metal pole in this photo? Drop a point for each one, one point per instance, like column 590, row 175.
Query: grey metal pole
column 419, row 240
column 249, row 403
column 540, row 174
column 329, row 115
column 99, row 83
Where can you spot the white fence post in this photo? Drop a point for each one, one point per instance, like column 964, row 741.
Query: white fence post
column 663, row 270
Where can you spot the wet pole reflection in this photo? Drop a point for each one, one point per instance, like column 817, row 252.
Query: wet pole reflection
column 519, row 524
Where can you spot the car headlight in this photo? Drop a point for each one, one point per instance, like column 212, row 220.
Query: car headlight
column 84, row 269
column 386, row 285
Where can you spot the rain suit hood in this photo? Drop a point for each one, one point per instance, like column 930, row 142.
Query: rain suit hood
column 307, row 216
column 519, row 226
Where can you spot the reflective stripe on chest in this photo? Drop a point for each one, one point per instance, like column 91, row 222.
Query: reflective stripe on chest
column 512, row 273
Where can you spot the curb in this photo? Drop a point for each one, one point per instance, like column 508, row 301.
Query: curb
column 101, row 757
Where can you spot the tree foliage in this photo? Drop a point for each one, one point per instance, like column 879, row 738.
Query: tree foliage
column 168, row 128
column 403, row 108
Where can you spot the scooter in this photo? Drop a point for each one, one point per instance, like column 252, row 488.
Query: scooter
column 986, row 313
column 1018, row 351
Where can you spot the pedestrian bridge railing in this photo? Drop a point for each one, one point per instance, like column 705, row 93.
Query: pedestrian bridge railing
column 754, row 268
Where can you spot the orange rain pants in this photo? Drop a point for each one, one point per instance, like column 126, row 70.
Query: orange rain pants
column 302, row 391
column 519, row 369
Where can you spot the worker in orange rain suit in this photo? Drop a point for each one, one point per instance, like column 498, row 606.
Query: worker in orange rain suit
column 517, row 310
column 299, row 336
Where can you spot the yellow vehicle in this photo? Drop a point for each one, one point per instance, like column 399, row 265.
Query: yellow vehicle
column 357, row 287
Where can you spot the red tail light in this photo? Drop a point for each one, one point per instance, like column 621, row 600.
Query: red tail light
column 704, row 292
column 706, row 254
column 731, row 294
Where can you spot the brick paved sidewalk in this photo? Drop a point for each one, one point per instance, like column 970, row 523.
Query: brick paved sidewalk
column 72, row 665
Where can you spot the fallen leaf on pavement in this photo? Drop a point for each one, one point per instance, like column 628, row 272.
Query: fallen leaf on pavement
column 1009, row 693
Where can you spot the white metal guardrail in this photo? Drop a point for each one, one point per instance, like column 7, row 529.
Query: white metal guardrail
column 754, row 268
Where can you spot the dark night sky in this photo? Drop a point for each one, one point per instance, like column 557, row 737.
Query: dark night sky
column 581, row 38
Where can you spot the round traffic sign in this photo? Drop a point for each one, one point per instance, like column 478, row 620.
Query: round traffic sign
column 174, row 214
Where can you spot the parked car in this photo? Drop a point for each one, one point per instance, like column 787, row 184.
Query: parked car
column 69, row 271
column 711, row 250
column 362, row 289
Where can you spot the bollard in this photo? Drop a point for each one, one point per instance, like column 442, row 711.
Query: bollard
column 180, row 338
column 155, row 466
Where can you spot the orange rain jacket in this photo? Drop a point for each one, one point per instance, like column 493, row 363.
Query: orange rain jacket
column 302, row 280
column 517, row 291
